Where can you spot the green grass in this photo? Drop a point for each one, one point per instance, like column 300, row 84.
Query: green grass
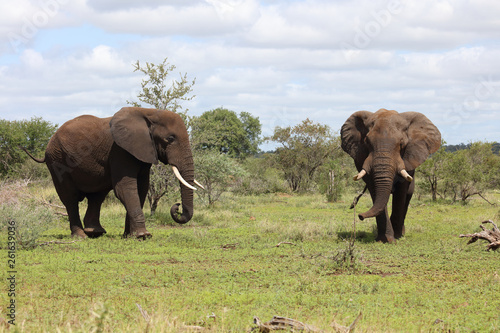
column 223, row 268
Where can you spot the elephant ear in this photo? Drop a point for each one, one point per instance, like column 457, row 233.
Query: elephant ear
column 424, row 139
column 130, row 128
column 353, row 135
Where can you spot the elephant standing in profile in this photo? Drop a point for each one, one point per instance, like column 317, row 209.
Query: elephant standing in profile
column 89, row 156
column 386, row 147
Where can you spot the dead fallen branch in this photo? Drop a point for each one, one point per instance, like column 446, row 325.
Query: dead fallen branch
column 281, row 243
column 283, row 324
column 492, row 236
column 229, row 246
column 57, row 242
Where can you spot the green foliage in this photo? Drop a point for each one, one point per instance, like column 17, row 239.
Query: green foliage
column 217, row 172
column 433, row 170
column 223, row 130
column 335, row 176
column 472, row 171
column 32, row 134
column 461, row 173
column 304, row 148
column 260, row 177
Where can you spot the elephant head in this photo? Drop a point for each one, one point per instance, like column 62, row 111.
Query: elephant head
column 150, row 136
column 385, row 145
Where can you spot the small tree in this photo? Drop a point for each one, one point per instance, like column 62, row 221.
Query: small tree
column 335, row 174
column 223, row 130
column 156, row 94
column 31, row 134
column 304, row 148
column 218, row 172
column 433, row 170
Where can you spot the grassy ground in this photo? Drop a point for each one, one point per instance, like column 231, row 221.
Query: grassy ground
column 224, row 267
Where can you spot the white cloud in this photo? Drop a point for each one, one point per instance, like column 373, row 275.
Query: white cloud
column 280, row 60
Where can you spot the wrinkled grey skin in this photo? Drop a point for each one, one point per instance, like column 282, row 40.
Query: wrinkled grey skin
column 383, row 144
column 89, row 156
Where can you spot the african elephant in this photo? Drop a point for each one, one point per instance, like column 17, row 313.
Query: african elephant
column 386, row 147
column 89, row 156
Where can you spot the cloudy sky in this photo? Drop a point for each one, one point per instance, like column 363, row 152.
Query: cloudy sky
column 281, row 60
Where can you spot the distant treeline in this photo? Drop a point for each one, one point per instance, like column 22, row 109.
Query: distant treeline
column 495, row 148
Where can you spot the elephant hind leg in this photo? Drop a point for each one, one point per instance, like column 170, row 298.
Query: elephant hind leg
column 93, row 227
column 70, row 197
column 75, row 224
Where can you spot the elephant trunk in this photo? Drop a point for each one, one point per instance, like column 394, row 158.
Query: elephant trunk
column 383, row 178
column 186, row 197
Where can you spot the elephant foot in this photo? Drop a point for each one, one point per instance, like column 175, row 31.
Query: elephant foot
column 141, row 234
column 386, row 239
column 78, row 233
column 94, row 232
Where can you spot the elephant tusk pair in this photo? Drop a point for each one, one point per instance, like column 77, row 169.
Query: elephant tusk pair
column 183, row 181
column 403, row 173
column 360, row 175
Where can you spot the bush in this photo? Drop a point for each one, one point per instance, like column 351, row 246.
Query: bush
column 261, row 178
column 29, row 219
column 217, row 172
column 29, row 222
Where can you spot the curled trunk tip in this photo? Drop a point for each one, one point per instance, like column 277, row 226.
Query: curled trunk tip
column 183, row 218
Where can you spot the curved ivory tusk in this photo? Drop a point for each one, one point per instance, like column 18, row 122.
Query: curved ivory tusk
column 182, row 180
column 360, row 175
column 406, row 175
column 198, row 184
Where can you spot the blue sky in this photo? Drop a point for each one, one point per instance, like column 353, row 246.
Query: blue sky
column 283, row 61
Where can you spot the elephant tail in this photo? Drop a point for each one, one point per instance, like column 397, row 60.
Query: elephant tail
column 38, row 160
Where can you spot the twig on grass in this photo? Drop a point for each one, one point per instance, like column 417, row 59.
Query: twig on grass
column 281, row 243
column 229, row 246
column 144, row 313
column 492, row 236
column 57, row 242
column 346, row 329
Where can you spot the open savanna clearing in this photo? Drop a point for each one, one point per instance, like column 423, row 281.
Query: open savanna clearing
column 291, row 256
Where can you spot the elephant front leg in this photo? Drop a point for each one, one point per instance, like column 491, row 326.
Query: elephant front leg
column 385, row 233
column 400, row 202
column 127, row 192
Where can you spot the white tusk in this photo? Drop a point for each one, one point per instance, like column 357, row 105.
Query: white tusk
column 406, row 175
column 198, row 184
column 360, row 175
column 182, row 180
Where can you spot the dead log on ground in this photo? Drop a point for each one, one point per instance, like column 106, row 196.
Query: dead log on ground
column 492, row 236
column 283, row 324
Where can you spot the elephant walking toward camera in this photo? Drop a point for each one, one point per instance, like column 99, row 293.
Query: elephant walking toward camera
column 88, row 157
column 386, row 147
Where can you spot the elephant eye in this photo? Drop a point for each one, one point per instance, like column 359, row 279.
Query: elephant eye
column 170, row 139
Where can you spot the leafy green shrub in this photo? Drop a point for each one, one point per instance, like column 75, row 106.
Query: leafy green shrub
column 217, row 172
column 261, row 178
